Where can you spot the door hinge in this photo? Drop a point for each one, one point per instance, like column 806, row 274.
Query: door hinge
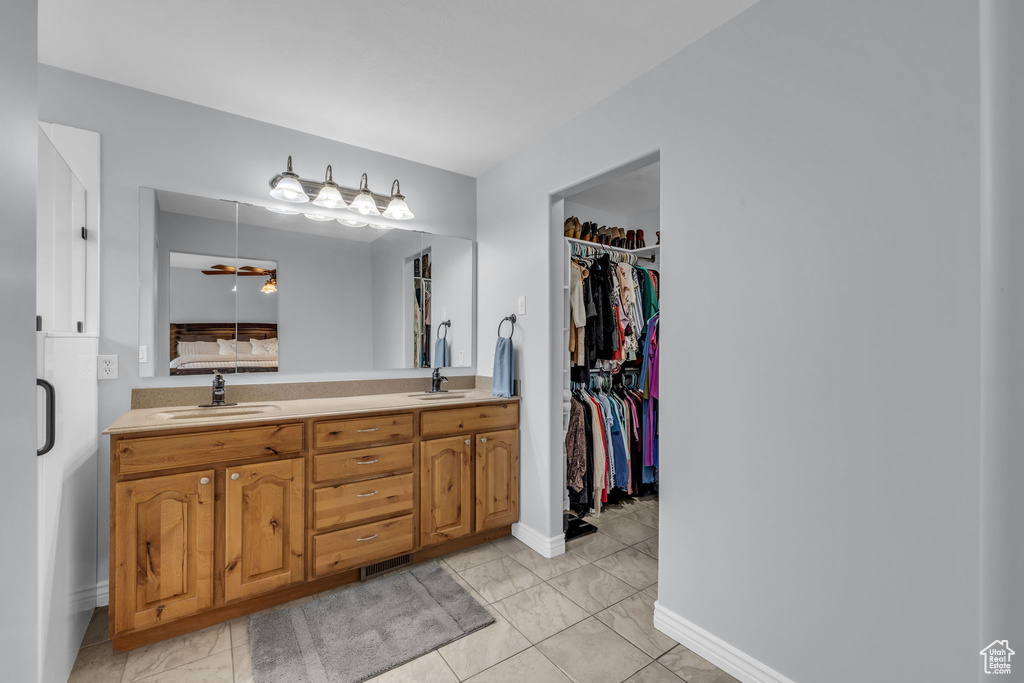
column 81, row 326
column 85, row 233
column 39, row 323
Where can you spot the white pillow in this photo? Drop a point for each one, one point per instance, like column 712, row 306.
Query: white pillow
column 197, row 348
column 227, row 347
column 264, row 347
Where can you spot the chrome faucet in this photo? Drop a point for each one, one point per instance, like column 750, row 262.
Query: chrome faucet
column 218, row 389
column 435, row 382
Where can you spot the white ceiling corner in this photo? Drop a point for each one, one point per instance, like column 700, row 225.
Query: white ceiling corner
column 457, row 84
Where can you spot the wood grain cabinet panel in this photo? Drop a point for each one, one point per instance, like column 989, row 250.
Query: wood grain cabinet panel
column 203, row 448
column 362, row 430
column 350, row 503
column 497, row 479
column 361, row 545
column 263, row 527
column 163, row 539
column 473, row 419
column 446, row 491
column 362, row 463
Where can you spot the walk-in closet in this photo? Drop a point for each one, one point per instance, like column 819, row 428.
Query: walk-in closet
column 611, row 289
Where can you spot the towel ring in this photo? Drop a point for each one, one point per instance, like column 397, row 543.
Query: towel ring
column 443, row 326
column 511, row 319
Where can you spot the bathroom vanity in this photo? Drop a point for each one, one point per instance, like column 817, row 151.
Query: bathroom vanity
column 220, row 512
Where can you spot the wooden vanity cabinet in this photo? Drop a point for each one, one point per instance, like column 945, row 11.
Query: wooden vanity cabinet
column 162, row 548
column 209, row 524
column 264, row 527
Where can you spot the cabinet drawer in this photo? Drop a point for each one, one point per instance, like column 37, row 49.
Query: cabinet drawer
column 361, row 545
column 347, row 503
column 371, row 461
column 184, row 450
column 489, row 416
column 362, row 430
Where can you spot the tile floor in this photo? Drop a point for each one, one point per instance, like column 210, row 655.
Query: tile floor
column 585, row 616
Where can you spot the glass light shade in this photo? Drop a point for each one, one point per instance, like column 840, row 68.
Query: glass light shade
column 269, row 287
column 289, row 189
column 351, row 223
column 364, row 204
column 284, row 212
column 317, row 217
column 398, row 209
column 330, row 198
column 378, row 226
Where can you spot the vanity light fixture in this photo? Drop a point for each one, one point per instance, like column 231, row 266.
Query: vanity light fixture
column 270, row 286
column 378, row 226
column 329, row 196
column 287, row 187
column 352, row 223
column 364, row 203
column 397, row 208
column 317, row 217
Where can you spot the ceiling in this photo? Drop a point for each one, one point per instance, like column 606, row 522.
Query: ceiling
column 626, row 194
column 457, row 84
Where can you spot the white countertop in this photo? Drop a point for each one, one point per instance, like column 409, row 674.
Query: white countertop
column 183, row 417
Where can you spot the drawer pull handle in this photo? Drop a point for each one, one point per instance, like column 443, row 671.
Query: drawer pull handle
column 367, row 495
column 368, row 538
column 483, row 440
column 204, row 481
column 367, row 462
column 234, row 477
column 374, row 429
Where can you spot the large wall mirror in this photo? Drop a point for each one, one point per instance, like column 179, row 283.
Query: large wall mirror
column 241, row 288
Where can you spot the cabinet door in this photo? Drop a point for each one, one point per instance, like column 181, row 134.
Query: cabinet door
column 263, row 527
column 445, row 489
column 163, row 529
column 497, row 479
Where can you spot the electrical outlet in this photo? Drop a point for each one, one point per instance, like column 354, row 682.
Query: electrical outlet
column 106, row 367
column 143, row 354
column 462, row 359
column 522, row 305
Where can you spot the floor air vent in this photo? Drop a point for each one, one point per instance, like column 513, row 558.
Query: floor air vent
column 378, row 568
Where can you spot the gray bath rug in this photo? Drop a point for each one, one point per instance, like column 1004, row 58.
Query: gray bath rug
column 364, row 629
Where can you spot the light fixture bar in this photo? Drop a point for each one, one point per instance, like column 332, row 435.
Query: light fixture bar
column 312, row 189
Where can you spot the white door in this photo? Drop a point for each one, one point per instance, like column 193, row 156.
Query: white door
column 66, row 361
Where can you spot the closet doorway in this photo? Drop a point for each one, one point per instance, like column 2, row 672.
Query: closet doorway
column 609, row 301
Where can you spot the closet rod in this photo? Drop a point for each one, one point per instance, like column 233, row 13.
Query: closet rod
column 602, row 247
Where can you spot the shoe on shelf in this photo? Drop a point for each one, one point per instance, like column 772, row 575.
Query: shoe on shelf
column 630, row 239
column 640, row 244
column 569, row 226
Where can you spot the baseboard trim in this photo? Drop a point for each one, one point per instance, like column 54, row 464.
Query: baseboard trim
column 548, row 546
column 714, row 649
column 102, row 593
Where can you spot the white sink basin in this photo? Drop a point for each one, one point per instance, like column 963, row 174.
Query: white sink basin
column 215, row 411
column 424, row 396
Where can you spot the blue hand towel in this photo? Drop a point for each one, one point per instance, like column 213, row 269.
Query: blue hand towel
column 442, row 354
column 501, row 383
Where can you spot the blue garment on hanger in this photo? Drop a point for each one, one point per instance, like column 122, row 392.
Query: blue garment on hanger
column 442, row 353
column 501, row 382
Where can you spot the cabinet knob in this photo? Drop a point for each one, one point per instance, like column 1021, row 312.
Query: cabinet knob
column 234, row 477
column 204, row 481
column 467, row 442
column 483, row 440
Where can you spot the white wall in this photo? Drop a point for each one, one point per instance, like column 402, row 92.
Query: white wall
column 1002, row 553
column 158, row 142
column 18, row 506
column 820, row 334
